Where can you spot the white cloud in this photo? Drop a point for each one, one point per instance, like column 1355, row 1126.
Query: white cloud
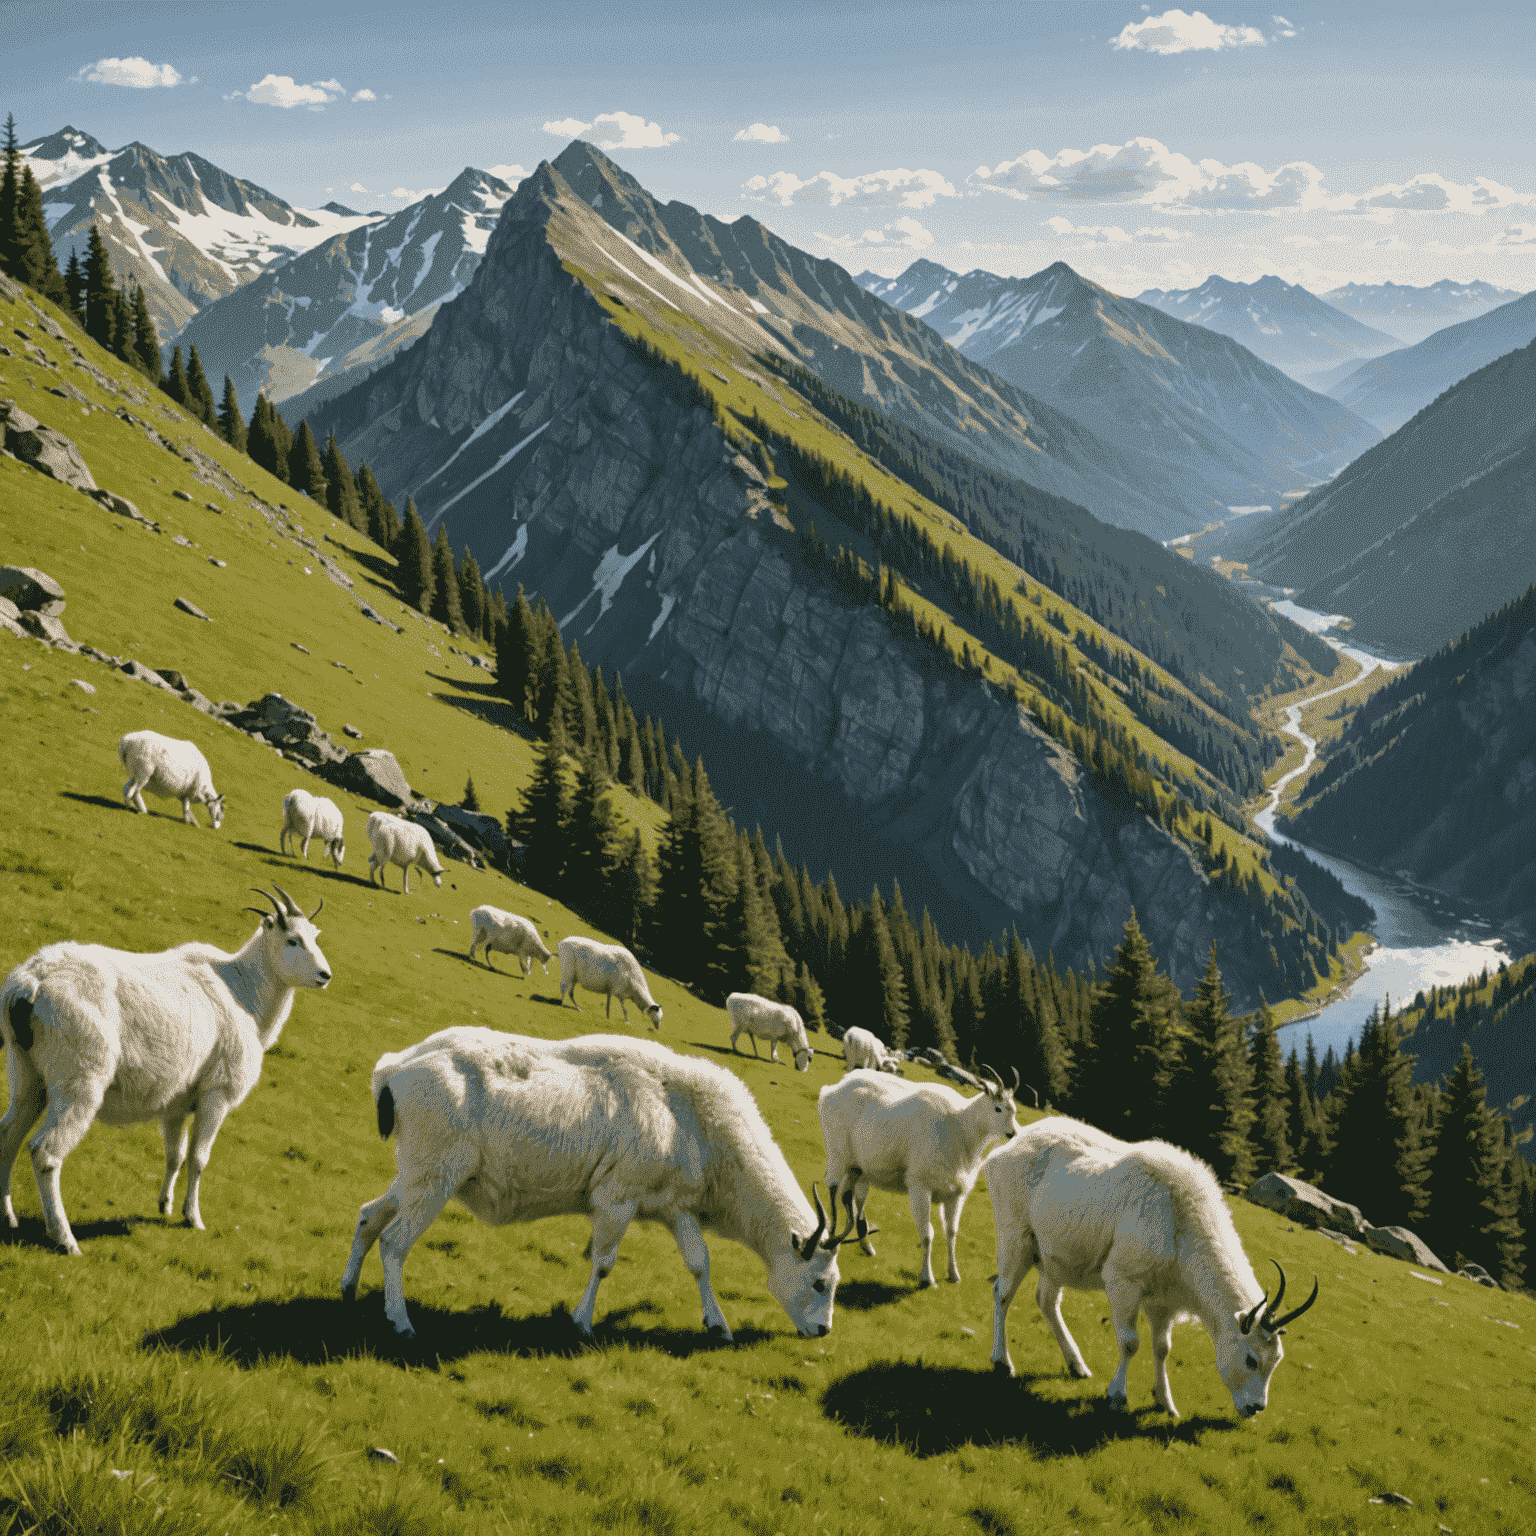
column 1176, row 32
column 1432, row 193
column 415, row 197
column 1099, row 235
column 630, row 132
column 283, row 91
column 356, row 186
column 904, row 233
column 876, row 189
column 1301, row 242
column 1283, row 28
column 364, row 95
column 567, row 128
column 760, row 133
column 507, row 173
column 136, row 73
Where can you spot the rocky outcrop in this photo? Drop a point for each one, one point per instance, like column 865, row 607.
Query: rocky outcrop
column 374, row 774
column 290, row 728
column 43, row 448
column 26, row 587
column 1307, row 1205
column 1400, row 1243
column 482, row 832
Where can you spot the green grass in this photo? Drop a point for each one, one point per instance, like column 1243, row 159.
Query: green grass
column 220, row 1370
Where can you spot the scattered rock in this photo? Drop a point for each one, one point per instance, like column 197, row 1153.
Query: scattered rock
column 1305, row 1204
column 200, row 701
column 95, row 655
column 446, row 838
column 174, row 678
column 378, row 618
column 213, row 506
column 1433, row 1279
column 182, row 539
column 143, row 674
column 69, row 392
column 1401, row 1499
column 124, row 508
column 352, row 731
column 484, row 833
column 373, row 773
column 181, row 496
column 289, row 727
column 43, row 448
column 82, row 685
column 27, row 587
column 220, row 563
column 1400, row 1243
column 9, row 610
column 193, row 609
column 378, row 1453
column 11, row 627
column 48, row 628
column 295, row 644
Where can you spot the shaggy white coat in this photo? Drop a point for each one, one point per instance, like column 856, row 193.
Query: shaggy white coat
column 1144, row 1222
column 922, row 1138
column 760, row 1018
column 508, row 934
column 174, row 769
column 864, row 1048
column 606, row 1126
column 306, row 816
column 121, row 1037
column 400, row 842
column 606, row 968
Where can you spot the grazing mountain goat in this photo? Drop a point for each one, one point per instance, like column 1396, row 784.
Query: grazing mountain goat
column 604, row 1126
column 101, row 1034
column 511, row 935
column 608, row 968
column 168, row 767
column 760, row 1019
column 923, row 1138
column 863, row 1049
column 1145, row 1223
column 403, row 843
column 306, row 816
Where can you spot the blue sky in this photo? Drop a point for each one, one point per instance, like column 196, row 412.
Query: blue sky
column 1328, row 143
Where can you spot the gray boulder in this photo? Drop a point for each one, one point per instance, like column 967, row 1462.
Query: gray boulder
column 1400, row 1243
column 138, row 671
column 445, row 837
column 290, row 728
column 9, row 610
column 27, row 587
column 11, row 627
column 374, row 774
column 124, row 508
column 48, row 628
column 43, row 448
column 482, row 832
column 187, row 606
column 1306, row 1205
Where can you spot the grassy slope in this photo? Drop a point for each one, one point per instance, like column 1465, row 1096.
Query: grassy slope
column 498, row 1423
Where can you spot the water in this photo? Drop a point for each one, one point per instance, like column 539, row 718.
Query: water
column 1422, row 940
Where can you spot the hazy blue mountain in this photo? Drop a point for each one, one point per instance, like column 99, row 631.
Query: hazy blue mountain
column 1411, row 313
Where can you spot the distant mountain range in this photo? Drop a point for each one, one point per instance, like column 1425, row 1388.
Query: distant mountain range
column 1281, row 322
column 1411, row 314
column 187, row 230
column 351, row 300
column 1421, row 536
column 1389, row 390
column 1187, row 404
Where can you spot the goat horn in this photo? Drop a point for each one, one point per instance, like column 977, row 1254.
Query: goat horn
column 1015, row 1072
column 836, row 1239
column 991, row 1072
column 1246, row 1326
column 294, row 909
column 1272, row 1307
column 807, row 1246
column 266, row 896
column 316, row 913
column 1295, row 1312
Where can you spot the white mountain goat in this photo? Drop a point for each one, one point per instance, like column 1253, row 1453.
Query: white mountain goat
column 306, row 816
column 923, row 1138
column 1145, row 1223
column 604, row 1126
column 400, row 842
column 607, row 968
column 759, row 1018
column 508, row 934
column 93, row 1033
column 165, row 766
column 862, row 1048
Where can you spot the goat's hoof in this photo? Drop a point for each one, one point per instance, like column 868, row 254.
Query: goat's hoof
column 1001, row 1368
column 1116, row 1400
column 1080, row 1372
column 954, row 1279
column 721, row 1334
column 405, row 1330
column 349, row 1293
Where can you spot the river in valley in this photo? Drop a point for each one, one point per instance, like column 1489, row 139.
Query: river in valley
column 1422, row 940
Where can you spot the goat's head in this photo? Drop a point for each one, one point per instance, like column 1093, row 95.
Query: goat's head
column 215, row 811
column 654, row 1014
column 1001, row 1117
column 1248, row 1354
column 804, row 1278
column 803, row 1054
column 290, row 941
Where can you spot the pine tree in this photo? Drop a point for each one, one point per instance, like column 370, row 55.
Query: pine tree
column 10, row 196
column 472, row 599
column 371, row 499
column 99, row 291
column 632, row 892
column 1041, row 1057
column 445, row 585
column 413, row 557
column 514, row 653
column 304, row 470
column 695, row 879
column 590, row 838
column 541, row 823
column 1209, row 1090
column 29, row 251
column 471, row 801
column 146, row 342
column 231, row 422
column 200, row 392
column 1267, row 1135
column 122, row 332
column 267, row 440
column 873, row 960
column 175, row 384
column 74, row 291
column 1472, row 1213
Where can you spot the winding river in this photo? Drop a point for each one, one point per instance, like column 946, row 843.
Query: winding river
column 1421, row 940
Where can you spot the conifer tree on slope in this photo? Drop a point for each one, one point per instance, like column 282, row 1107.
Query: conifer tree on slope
column 231, row 422
column 413, row 557
column 10, row 192
column 541, row 822
column 199, row 391
column 304, row 471
column 631, row 890
column 341, row 494
column 472, row 598
column 99, row 292
column 1267, row 1137
column 1471, row 1211
column 175, row 384
column 445, row 585
column 146, row 342
column 263, row 441
column 29, row 254
column 590, row 837
column 74, row 289
column 1210, row 1089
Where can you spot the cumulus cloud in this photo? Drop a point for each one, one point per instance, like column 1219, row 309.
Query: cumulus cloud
column 135, row 73
column 1432, row 193
column 413, row 196
column 284, row 91
column 903, row 233
column 567, row 127
column 760, row 133
column 1095, row 235
column 364, row 95
column 511, row 174
column 876, row 189
column 1176, row 32
column 615, row 130
column 356, row 186
column 1283, row 28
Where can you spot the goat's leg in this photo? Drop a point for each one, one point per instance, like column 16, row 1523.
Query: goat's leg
column 1162, row 1341
column 405, row 870
column 949, row 1211
column 417, row 1207
column 1124, row 1306
column 860, row 1189
column 304, row 847
column 65, row 1122
column 1048, row 1299
column 209, row 1116
column 610, row 1221
column 690, row 1243
column 28, row 1095
column 186, row 812
column 1014, row 1260
column 174, row 1129
column 773, row 1051
column 133, row 796
column 371, row 1221
column 921, row 1201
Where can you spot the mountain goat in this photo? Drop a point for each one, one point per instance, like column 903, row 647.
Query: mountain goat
column 101, row 1034
column 923, row 1138
column 509, row 934
column 604, row 1126
column 404, row 843
column 607, row 968
column 175, row 769
column 306, row 816
column 863, row 1048
column 758, row 1018
column 1145, row 1223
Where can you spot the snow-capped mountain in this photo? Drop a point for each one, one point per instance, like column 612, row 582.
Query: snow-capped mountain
column 187, row 230
column 350, row 301
column 1281, row 322
column 1213, row 427
column 1414, row 313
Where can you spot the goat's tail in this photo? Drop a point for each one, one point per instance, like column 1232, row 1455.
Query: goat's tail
column 386, row 1113
column 16, row 1000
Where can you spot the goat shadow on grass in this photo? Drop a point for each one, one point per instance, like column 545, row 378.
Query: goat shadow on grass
column 31, row 1233
column 929, row 1410
column 513, row 971
column 866, row 1295
column 103, row 802
column 298, row 866
column 311, row 1330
